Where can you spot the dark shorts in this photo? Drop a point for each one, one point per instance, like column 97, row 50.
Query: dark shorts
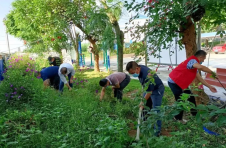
column 54, row 82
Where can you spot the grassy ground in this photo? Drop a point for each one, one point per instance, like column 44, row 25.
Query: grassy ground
column 78, row 119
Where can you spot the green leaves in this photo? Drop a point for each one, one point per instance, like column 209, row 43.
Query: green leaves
column 221, row 120
column 111, row 133
column 45, row 21
column 167, row 18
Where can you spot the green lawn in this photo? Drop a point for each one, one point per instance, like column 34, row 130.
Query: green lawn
column 78, row 119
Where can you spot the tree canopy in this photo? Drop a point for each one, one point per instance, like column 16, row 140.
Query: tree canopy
column 48, row 21
column 169, row 19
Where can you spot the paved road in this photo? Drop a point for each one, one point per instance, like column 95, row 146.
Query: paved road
column 215, row 61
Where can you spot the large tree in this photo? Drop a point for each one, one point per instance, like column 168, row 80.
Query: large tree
column 178, row 18
column 50, row 21
column 114, row 12
column 34, row 22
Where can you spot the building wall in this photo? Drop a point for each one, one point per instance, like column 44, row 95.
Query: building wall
column 127, row 35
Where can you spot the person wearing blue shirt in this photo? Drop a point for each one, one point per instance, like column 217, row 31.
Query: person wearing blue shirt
column 154, row 92
column 50, row 76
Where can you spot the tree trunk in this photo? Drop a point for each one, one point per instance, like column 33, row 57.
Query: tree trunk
column 120, row 42
column 75, row 44
column 77, row 55
column 96, row 65
column 94, row 50
column 189, row 40
column 76, row 50
column 145, row 53
column 96, row 57
column 119, row 35
column 199, row 36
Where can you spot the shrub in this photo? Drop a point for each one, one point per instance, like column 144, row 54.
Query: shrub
column 18, row 82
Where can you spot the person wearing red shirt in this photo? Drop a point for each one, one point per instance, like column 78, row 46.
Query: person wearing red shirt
column 183, row 75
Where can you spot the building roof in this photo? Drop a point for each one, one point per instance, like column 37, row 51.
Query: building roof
column 209, row 35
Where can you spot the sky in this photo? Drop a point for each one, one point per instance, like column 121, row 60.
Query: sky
column 5, row 7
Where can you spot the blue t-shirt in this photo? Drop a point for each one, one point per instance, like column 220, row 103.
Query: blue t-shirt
column 189, row 66
column 144, row 71
column 49, row 72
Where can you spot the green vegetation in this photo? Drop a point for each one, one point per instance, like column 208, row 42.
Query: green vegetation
column 32, row 116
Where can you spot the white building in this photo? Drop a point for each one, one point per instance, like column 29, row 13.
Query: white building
column 138, row 21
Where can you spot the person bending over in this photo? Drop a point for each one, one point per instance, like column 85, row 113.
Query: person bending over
column 66, row 70
column 183, row 75
column 118, row 81
column 49, row 76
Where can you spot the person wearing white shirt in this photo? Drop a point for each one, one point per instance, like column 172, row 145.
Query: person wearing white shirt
column 66, row 69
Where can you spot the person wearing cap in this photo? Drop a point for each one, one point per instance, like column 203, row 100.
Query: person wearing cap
column 154, row 92
column 66, row 70
column 54, row 61
column 49, row 76
column 184, row 74
column 118, row 81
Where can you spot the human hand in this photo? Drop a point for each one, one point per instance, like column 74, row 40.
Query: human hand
column 101, row 99
column 141, row 105
column 214, row 75
column 212, row 89
column 113, row 88
column 70, row 89
column 71, row 80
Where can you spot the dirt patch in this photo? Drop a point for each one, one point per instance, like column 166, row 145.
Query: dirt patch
column 131, row 94
column 131, row 117
column 166, row 132
column 132, row 132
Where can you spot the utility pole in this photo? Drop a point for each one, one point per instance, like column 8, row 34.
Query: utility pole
column 199, row 36
column 7, row 38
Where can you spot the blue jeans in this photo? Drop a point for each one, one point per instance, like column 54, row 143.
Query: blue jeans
column 61, row 87
column 153, row 102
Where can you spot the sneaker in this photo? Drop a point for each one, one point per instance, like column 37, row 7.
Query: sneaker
column 184, row 120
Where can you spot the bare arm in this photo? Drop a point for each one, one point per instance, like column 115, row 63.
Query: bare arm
column 116, row 86
column 147, row 96
column 202, row 80
column 68, row 86
column 202, row 68
column 212, row 89
column 71, row 80
column 102, row 93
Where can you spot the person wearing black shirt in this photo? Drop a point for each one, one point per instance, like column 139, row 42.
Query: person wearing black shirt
column 54, row 61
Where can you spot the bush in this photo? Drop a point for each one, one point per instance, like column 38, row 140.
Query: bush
column 18, row 83
column 41, row 62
